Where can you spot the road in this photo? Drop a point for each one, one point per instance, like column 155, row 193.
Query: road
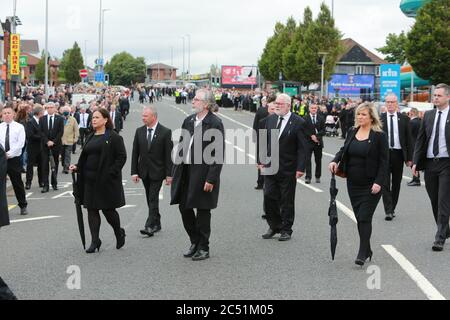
column 39, row 256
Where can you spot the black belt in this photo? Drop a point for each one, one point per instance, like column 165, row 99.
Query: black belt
column 396, row 150
column 439, row 159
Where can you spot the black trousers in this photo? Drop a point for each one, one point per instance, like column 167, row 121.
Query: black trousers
column 260, row 181
column 197, row 226
column 111, row 216
column 317, row 151
column 437, row 183
column 56, row 150
column 83, row 133
column 34, row 159
column 152, row 189
column 14, row 172
column 391, row 190
column 279, row 198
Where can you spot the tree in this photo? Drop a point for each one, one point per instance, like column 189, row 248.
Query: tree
column 428, row 45
column 394, row 48
column 321, row 36
column 39, row 73
column 72, row 63
column 124, row 69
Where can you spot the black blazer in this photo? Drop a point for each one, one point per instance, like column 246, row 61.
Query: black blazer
column 109, row 176
column 404, row 130
column 292, row 144
column 34, row 137
column 377, row 156
column 311, row 129
column 4, row 212
column 89, row 119
column 424, row 136
column 156, row 163
column 57, row 132
column 118, row 121
column 260, row 114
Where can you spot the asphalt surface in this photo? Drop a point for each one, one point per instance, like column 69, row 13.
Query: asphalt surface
column 36, row 254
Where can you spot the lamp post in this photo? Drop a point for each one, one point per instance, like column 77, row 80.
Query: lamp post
column 46, row 50
column 103, row 32
column 183, row 57
column 323, row 55
column 189, row 56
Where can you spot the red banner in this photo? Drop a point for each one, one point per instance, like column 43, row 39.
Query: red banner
column 239, row 75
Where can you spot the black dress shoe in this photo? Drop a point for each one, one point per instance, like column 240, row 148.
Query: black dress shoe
column 27, row 186
column 269, row 234
column 41, row 185
column 95, row 246
column 284, row 237
column 414, row 183
column 23, row 211
column 259, row 187
column 200, row 255
column 55, row 188
column 120, row 239
column 308, row 181
column 191, row 251
column 317, row 180
column 438, row 246
column 264, row 216
column 156, row 229
column 147, row 231
column 45, row 189
column 389, row 217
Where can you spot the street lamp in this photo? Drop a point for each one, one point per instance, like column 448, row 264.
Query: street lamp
column 323, row 54
column 183, row 56
column 46, row 49
column 103, row 30
column 189, row 56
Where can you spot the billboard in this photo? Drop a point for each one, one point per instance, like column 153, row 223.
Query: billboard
column 351, row 85
column 15, row 54
column 238, row 76
column 390, row 81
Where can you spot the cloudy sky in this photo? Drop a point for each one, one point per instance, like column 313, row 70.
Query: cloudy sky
column 229, row 32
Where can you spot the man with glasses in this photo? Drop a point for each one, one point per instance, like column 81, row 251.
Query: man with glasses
column 397, row 129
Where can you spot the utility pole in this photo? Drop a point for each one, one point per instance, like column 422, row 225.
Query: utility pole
column 85, row 54
column 46, row 49
column 323, row 54
column 189, row 56
column 183, row 57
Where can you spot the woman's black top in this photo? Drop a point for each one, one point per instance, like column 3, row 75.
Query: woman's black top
column 357, row 158
column 93, row 150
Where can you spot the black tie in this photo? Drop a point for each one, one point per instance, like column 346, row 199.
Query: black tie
column 392, row 131
column 50, row 127
column 279, row 123
column 436, row 136
column 149, row 138
column 314, row 120
column 7, row 138
column 83, row 122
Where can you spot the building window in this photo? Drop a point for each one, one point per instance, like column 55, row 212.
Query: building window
column 359, row 70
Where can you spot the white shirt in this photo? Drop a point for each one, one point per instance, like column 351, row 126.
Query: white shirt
column 112, row 114
column 443, row 152
column 198, row 121
column 153, row 131
column 284, row 123
column 84, row 120
column 48, row 120
column 16, row 138
column 397, row 144
column 36, row 119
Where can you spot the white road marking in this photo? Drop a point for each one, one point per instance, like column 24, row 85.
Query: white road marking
column 328, row 154
column 34, row 219
column 427, row 288
column 161, row 194
column 128, row 206
column 309, row 186
column 66, row 194
column 232, row 120
column 348, row 212
column 28, row 195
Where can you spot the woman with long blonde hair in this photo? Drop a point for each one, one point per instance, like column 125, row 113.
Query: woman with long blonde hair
column 364, row 161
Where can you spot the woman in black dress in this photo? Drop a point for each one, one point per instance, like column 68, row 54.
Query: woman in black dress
column 99, row 172
column 364, row 159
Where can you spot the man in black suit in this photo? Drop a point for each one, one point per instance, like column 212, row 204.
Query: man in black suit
column 397, row 128
column 151, row 161
column 279, row 186
column 316, row 130
column 116, row 118
column 415, row 126
column 124, row 106
column 260, row 114
column 84, row 123
column 52, row 129
column 431, row 154
column 34, row 146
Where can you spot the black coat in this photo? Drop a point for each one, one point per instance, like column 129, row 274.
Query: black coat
column 415, row 126
column 199, row 173
column 109, row 176
column 318, row 129
column 118, row 121
column 57, row 132
column 34, row 137
column 4, row 212
column 404, row 130
column 424, row 136
column 260, row 114
column 377, row 156
column 156, row 163
column 292, row 144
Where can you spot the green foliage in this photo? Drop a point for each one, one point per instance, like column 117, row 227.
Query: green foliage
column 124, row 69
column 394, row 49
column 40, row 68
column 293, row 50
column 428, row 45
column 72, row 63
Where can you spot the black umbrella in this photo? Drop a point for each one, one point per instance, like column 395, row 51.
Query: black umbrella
column 52, row 165
column 80, row 221
column 332, row 213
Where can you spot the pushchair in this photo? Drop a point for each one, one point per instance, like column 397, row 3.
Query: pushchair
column 331, row 126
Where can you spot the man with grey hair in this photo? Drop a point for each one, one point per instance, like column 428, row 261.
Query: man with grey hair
column 34, row 146
column 196, row 178
column 431, row 154
column 84, row 123
column 151, row 161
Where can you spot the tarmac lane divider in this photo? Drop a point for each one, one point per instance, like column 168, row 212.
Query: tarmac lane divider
column 427, row 288
column 34, row 219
